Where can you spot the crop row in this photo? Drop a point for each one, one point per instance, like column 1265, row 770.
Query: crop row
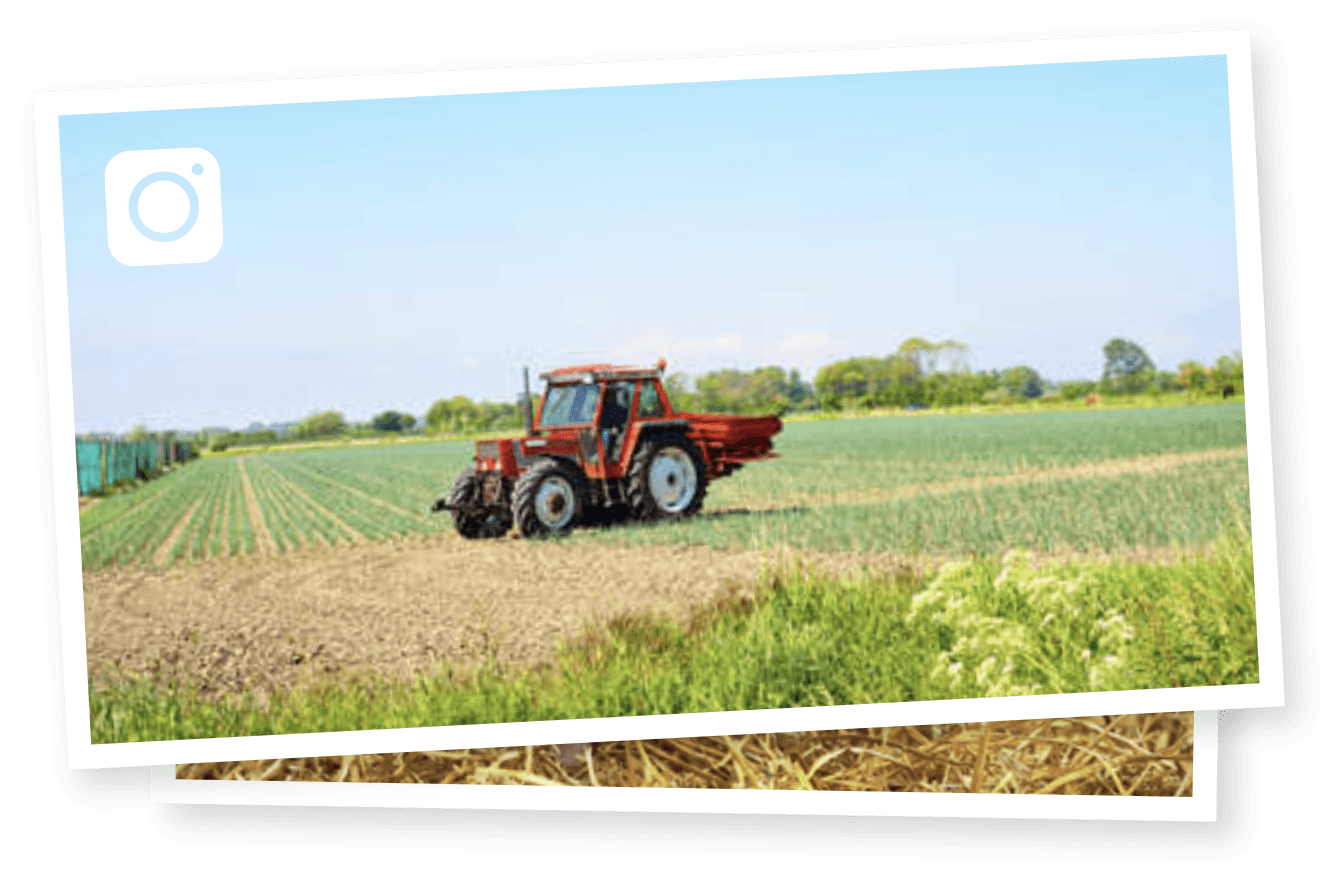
column 218, row 508
column 825, row 492
column 1188, row 506
column 834, row 457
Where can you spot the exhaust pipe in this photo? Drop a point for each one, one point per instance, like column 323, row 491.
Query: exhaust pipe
column 526, row 394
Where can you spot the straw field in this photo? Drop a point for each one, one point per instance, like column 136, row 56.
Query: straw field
column 1127, row 755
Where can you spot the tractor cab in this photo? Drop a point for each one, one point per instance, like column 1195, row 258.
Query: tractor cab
column 596, row 408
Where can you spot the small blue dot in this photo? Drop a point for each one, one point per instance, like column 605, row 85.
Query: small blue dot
column 197, row 169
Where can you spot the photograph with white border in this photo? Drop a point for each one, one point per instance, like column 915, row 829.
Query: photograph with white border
column 406, row 409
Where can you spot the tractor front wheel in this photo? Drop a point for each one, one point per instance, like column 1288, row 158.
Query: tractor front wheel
column 666, row 479
column 548, row 499
column 466, row 500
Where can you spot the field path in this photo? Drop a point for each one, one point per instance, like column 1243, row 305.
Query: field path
column 1146, row 465
column 264, row 541
column 225, row 515
column 164, row 550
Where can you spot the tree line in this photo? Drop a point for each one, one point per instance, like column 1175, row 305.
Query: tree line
column 924, row 374
column 919, row 374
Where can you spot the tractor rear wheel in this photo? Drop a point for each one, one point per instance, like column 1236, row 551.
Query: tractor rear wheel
column 469, row 516
column 548, row 498
column 666, row 478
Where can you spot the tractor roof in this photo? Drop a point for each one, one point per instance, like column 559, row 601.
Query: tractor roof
column 596, row 372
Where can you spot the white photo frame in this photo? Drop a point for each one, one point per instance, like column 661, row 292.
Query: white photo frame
column 50, row 106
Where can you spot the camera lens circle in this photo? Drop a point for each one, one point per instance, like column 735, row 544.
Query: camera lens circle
column 171, row 235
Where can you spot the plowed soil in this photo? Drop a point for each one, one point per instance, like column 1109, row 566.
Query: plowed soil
column 394, row 608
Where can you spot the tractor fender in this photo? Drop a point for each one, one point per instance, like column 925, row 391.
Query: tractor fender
column 679, row 428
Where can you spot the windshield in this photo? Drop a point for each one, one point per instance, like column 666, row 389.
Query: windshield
column 566, row 405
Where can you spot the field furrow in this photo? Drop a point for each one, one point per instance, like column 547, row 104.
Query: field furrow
column 255, row 518
column 335, row 528
column 164, row 553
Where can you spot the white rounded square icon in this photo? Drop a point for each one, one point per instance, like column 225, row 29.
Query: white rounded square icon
column 164, row 206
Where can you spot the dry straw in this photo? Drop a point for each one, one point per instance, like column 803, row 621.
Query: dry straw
column 1136, row 754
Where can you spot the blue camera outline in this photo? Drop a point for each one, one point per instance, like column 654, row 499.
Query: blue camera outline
column 171, row 235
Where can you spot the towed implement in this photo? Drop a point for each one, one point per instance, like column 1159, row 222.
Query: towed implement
column 606, row 440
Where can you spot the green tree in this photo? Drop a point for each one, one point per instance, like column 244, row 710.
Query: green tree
column 1127, row 367
column 921, row 353
column 946, row 389
column 393, row 421
column 325, row 424
column 1192, row 376
column 439, row 416
column 799, row 393
column 679, row 389
column 1228, row 372
column 1077, row 389
column 1023, row 382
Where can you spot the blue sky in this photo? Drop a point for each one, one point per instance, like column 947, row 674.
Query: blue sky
column 382, row 254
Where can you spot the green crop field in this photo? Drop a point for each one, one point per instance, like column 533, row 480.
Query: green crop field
column 1162, row 494
column 832, row 457
column 951, row 484
column 219, row 507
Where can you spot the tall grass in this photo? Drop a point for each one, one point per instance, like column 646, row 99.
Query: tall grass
column 979, row 627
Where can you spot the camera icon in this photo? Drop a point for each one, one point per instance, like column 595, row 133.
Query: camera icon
column 164, row 206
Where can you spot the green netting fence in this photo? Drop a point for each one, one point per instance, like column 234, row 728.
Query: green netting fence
column 104, row 462
column 89, row 457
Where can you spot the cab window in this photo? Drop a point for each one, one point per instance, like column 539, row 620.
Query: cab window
column 649, row 403
column 566, row 405
column 619, row 398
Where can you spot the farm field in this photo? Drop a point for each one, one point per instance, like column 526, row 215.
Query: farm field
column 1084, row 481
column 259, row 574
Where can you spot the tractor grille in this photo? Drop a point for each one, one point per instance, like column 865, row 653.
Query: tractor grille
column 487, row 450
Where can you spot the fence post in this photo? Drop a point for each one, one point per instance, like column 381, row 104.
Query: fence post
column 102, row 463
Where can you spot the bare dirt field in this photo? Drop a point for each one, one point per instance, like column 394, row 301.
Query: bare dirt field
column 393, row 608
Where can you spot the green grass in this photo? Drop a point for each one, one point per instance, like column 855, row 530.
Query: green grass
column 979, row 627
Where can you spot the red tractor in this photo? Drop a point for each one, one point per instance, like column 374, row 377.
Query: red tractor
column 607, row 439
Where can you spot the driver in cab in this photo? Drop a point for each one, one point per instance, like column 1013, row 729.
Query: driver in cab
column 614, row 415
